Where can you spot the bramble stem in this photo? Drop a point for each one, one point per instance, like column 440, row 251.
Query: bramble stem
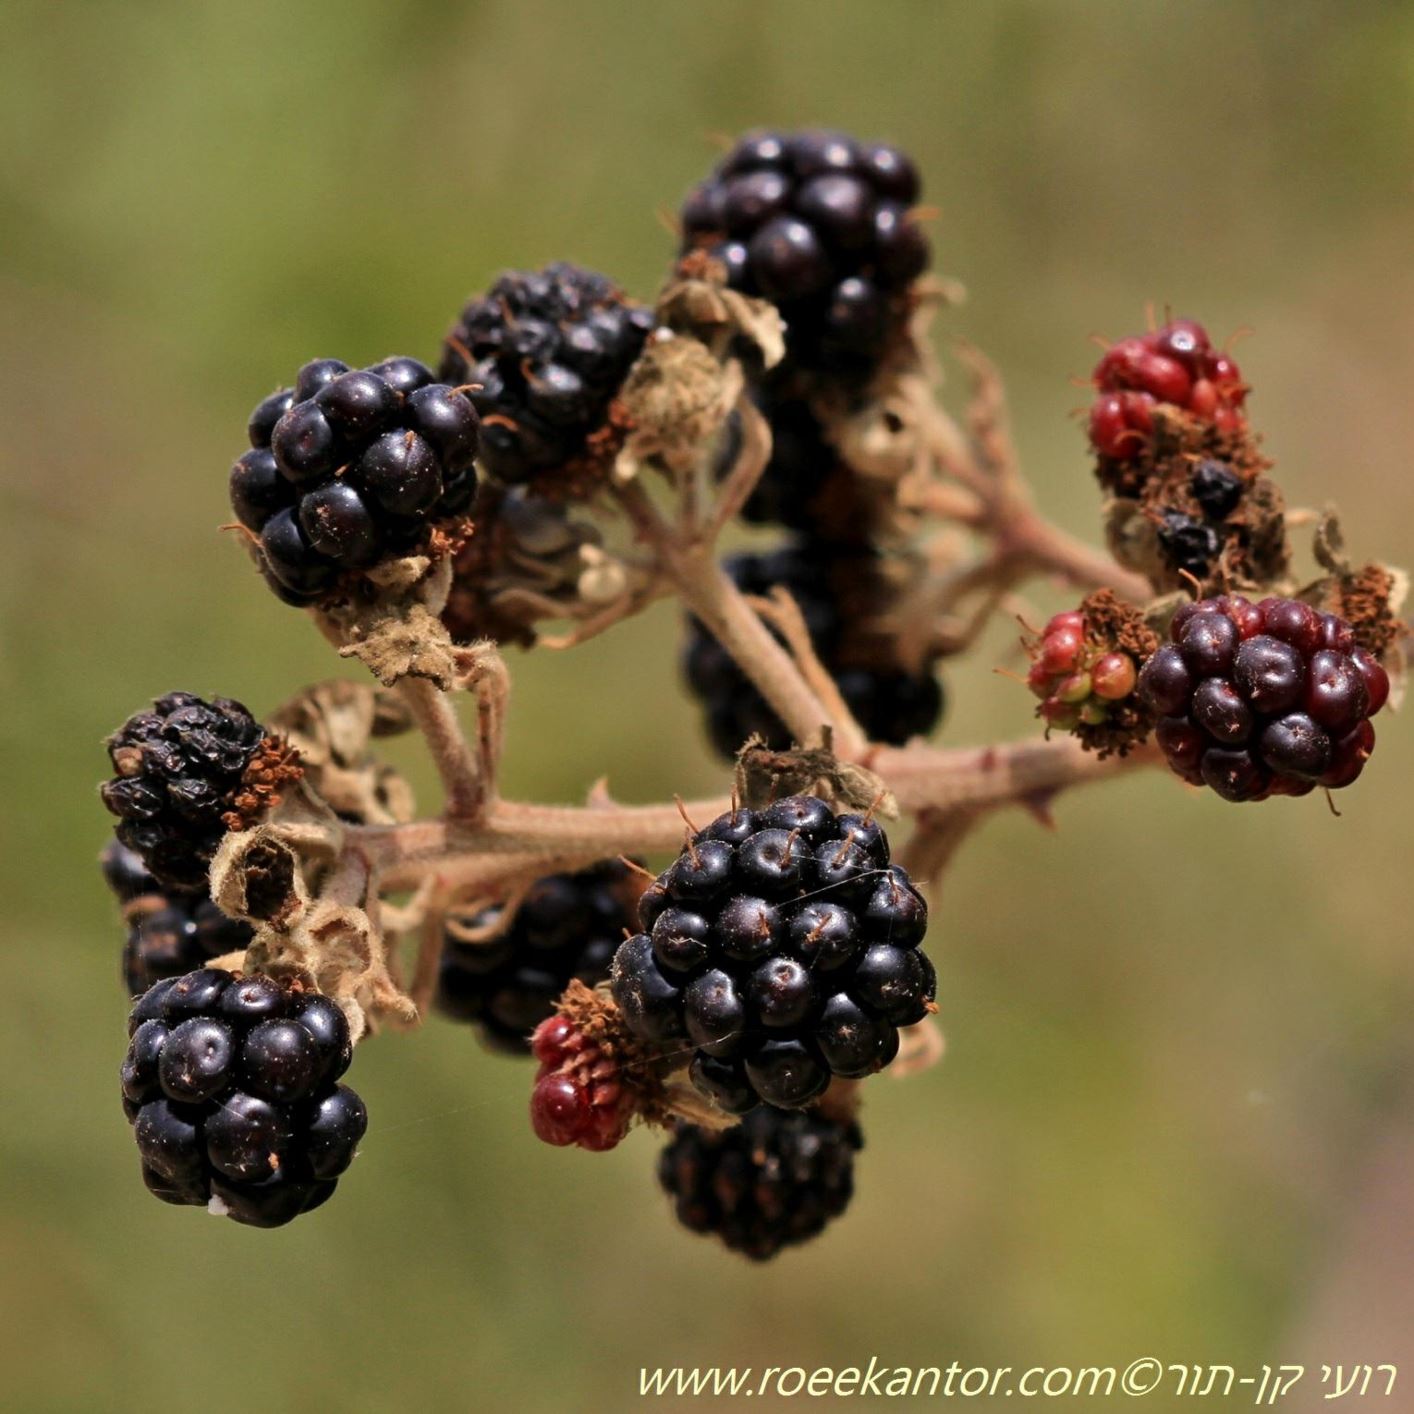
column 515, row 839
column 707, row 590
column 456, row 763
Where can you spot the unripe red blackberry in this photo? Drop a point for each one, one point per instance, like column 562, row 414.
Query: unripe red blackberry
column 567, row 927
column 550, row 349
column 231, row 1086
column 1175, row 365
column 821, row 225
column 1263, row 699
column 892, row 704
column 350, row 468
column 775, row 1180
column 781, row 948
column 1085, row 668
column 187, row 770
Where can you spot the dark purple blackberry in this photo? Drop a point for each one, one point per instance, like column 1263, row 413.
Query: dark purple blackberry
column 775, row 1180
column 783, row 948
column 890, row 704
column 567, row 927
column 350, row 468
column 1256, row 700
column 230, row 1084
column 819, row 224
column 179, row 768
column 550, row 349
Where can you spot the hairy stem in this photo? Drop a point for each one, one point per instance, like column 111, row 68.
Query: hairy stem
column 452, row 754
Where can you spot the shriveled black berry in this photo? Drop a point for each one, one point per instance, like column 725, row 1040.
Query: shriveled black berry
column 774, row 1180
column 1216, row 487
column 1253, row 704
column 549, row 349
column 354, row 469
column 224, row 1089
column 797, row 961
column 1188, row 545
column 567, row 927
column 178, row 767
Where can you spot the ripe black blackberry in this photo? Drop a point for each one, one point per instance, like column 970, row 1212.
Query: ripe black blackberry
column 819, row 224
column 775, row 1180
column 566, row 927
column 351, row 467
column 550, row 349
column 170, row 931
column 891, row 704
column 230, row 1084
column 1263, row 699
column 783, row 948
column 182, row 780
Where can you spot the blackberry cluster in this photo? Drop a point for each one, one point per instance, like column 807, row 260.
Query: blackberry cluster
column 784, row 948
column 230, row 1084
column 819, row 224
column 550, row 349
column 1263, row 699
column 775, row 1180
column 1176, row 365
column 1191, row 544
column 170, row 931
column 349, row 468
column 567, row 927
column 180, row 767
column 892, row 705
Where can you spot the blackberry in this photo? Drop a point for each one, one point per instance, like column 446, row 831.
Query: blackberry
column 170, row 931
column 182, row 780
column 775, row 1180
column 782, row 948
column 1084, row 668
column 820, row 224
column 350, row 468
column 1175, row 365
column 550, row 349
column 1188, row 545
column 1256, row 700
column 566, row 927
column 891, row 704
column 231, row 1086
column 1216, row 487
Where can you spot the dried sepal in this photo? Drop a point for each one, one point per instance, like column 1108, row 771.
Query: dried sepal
column 764, row 775
column 331, row 725
column 678, row 395
column 533, row 559
column 268, row 873
column 698, row 302
column 397, row 632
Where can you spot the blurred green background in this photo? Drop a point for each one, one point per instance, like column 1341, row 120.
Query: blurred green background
column 1177, row 1114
